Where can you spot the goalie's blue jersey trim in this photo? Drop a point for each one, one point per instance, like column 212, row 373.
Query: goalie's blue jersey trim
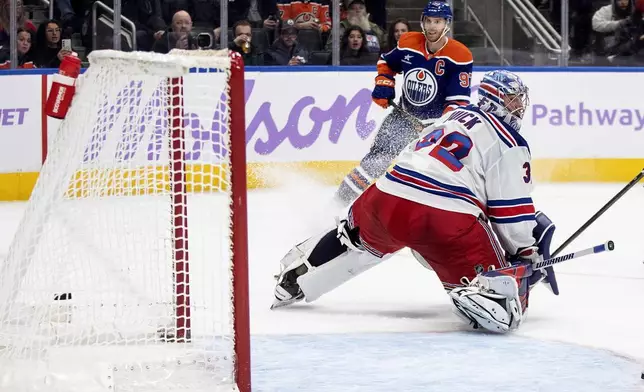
column 516, row 219
column 429, row 185
column 509, row 202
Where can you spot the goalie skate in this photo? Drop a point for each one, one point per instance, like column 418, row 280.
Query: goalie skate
column 287, row 291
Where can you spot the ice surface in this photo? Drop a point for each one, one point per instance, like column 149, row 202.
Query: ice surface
column 392, row 328
column 457, row 362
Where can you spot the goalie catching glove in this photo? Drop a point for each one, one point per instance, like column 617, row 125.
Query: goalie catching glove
column 491, row 302
column 497, row 300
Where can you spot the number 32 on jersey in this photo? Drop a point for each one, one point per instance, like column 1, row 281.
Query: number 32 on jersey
column 448, row 149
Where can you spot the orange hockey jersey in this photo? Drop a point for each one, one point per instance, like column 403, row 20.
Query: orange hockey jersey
column 27, row 65
column 433, row 83
column 304, row 11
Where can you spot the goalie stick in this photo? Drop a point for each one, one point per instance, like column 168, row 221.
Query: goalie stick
column 606, row 247
column 527, row 268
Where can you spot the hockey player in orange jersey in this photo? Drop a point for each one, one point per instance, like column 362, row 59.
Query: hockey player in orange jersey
column 436, row 71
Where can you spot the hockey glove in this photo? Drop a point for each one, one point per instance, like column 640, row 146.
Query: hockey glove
column 384, row 91
column 543, row 234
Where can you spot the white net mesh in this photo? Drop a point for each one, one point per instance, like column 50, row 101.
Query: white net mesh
column 119, row 277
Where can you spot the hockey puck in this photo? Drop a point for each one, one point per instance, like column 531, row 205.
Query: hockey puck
column 63, row 297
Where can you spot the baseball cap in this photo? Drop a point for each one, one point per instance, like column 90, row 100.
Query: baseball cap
column 288, row 25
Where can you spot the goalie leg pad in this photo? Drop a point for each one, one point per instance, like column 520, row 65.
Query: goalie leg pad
column 322, row 263
column 335, row 268
column 294, row 263
column 318, row 281
column 489, row 302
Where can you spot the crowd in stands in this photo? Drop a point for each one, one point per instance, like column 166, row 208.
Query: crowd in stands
column 295, row 32
column 602, row 32
column 265, row 32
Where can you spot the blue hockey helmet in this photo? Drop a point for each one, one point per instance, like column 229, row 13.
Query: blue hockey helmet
column 504, row 94
column 437, row 9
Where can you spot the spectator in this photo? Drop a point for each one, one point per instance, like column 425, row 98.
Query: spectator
column 608, row 20
column 306, row 15
column 242, row 43
column 353, row 48
column 22, row 21
column 67, row 15
column 264, row 10
column 638, row 22
column 205, row 14
column 171, row 7
column 357, row 16
column 48, row 52
column 23, row 48
column 148, row 19
column 285, row 50
column 581, row 31
column 396, row 29
column 629, row 39
column 377, row 10
column 178, row 36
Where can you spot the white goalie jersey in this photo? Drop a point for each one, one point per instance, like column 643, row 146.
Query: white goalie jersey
column 470, row 161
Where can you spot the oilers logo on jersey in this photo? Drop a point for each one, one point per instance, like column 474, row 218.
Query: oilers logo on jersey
column 432, row 82
column 420, row 87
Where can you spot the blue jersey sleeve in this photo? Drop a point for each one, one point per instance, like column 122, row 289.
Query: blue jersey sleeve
column 459, row 85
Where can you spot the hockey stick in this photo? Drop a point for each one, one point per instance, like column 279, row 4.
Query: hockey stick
column 418, row 123
column 606, row 247
column 599, row 213
column 530, row 268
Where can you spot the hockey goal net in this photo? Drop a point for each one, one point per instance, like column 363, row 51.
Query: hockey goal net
column 129, row 269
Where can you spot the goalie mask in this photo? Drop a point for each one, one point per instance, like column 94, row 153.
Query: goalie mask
column 429, row 21
column 503, row 94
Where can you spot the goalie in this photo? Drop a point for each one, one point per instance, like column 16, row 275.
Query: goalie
column 464, row 180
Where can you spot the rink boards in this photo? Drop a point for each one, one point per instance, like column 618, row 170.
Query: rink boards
column 581, row 125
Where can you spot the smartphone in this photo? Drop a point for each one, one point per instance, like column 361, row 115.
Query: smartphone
column 67, row 44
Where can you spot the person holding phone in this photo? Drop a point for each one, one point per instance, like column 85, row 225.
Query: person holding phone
column 48, row 49
column 286, row 50
column 178, row 36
